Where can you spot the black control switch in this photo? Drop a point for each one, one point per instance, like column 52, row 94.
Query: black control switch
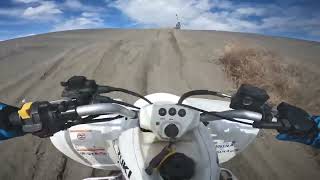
column 182, row 112
column 171, row 131
column 162, row 111
column 172, row 111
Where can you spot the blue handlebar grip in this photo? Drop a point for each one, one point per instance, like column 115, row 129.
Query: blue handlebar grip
column 2, row 106
column 7, row 131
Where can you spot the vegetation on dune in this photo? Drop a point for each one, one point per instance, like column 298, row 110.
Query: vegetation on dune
column 292, row 83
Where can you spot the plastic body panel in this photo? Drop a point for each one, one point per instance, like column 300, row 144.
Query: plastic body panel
column 136, row 156
column 151, row 119
column 102, row 145
column 92, row 144
column 230, row 138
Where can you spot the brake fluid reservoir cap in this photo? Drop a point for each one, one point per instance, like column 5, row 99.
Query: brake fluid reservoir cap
column 171, row 131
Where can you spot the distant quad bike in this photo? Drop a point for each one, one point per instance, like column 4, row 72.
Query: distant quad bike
column 178, row 25
column 160, row 137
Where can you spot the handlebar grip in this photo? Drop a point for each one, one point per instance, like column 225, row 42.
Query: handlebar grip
column 8, row 129
column 257, row 118
column 15, row 119
column 269, row 125
column 42, row 119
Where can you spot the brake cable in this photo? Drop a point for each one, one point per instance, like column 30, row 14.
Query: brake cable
column 207, row 92
column 202, row 92
column 215, row 114
column 108, row 89
column 91, row 120
column 82, row 89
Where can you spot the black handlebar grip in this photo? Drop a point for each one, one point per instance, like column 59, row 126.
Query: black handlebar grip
column 297, row 118
column 15, row 119
column 5, row 112
column 7, row 124
column 269, row 125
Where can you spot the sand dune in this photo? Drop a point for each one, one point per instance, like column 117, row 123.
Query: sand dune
column 146, row 61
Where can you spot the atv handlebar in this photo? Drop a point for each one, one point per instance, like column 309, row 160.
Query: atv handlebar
column 83, row 103
column 62, row 114
column 244, row 115
column 237, row 114
column 109, row 108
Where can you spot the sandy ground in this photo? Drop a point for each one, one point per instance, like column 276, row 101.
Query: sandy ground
column 146, row 61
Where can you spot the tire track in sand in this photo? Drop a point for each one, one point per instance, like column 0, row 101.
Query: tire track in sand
column 33, row 81
column 167, row 76
column 150, row 60
column 181, row 57
column 108, row 58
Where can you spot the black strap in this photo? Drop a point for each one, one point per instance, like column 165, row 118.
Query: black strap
column 155, row 162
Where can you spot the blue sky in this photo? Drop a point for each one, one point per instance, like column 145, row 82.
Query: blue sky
column 288, row 18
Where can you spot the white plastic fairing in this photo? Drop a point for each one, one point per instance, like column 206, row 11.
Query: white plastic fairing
column 157, row 117
column 196, row 144
column 158, row 98
column 229, row 138
column 135, row 156
column 102, row 145
column 92, row 144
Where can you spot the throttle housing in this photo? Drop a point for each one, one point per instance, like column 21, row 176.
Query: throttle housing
column 249, row 97
column 79, row 88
